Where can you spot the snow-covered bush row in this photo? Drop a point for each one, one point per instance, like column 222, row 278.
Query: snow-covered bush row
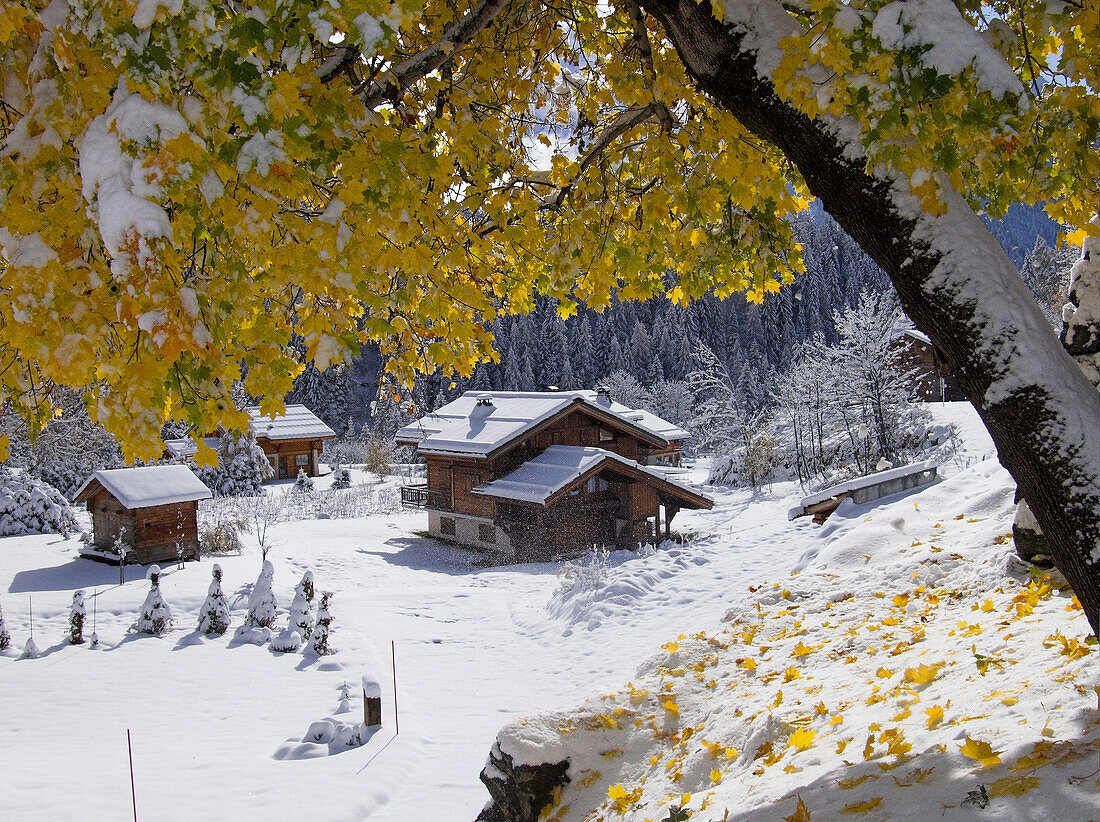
column 30, row 506
column 373, row 452
column 349, row 503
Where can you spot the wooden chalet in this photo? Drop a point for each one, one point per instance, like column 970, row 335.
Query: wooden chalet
column 292, row 441
column 541, row 474
column 929, row 379
column 154, row 509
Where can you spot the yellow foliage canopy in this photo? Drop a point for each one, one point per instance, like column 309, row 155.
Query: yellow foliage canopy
column 183, row 187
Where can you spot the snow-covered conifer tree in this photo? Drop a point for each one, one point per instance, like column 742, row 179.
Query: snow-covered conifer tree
column 319, row 642
column 262, row 610
column 214, row 614
column 304, row 482
column 340, row 478
column 5, row 637
column 262, row 604
column 156, row 616
column 76, row 619
column 301, row 609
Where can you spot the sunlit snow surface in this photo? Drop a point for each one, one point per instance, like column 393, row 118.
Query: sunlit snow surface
column 476, row 647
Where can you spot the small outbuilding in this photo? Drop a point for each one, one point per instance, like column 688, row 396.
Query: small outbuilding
column 291, row 441
column 154, row 509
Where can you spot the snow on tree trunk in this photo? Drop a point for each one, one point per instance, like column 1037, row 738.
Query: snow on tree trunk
column 952, row 277
column 214, row 614
column 156, row 616
column 1081, row 317
column 76, row 619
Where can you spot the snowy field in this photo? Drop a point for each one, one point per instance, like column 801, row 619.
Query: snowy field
column 216, row 725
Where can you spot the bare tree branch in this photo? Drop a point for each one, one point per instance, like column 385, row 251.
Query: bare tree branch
column 408, row 71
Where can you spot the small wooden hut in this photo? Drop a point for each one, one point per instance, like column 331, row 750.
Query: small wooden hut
column 154, row 509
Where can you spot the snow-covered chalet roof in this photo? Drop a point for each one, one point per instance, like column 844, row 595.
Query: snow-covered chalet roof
column 145, row 487
column 465, row 427
column 185, row 446
column 298, row 423
column 561, row 466
column 905, row 328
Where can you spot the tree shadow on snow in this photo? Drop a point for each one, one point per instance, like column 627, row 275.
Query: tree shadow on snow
column 426, row 554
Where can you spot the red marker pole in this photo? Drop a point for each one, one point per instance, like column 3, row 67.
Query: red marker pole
column 133, row 793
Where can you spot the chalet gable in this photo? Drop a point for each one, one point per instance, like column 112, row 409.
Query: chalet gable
column 561, row 468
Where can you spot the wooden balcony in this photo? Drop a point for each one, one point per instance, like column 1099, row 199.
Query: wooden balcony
column 418, row 496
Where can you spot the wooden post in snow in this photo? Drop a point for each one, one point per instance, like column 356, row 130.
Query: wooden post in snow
column 372, row 702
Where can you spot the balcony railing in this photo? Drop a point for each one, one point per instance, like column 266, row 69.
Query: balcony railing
column 418, row 496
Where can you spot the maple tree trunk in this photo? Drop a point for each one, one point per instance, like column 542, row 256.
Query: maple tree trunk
column 1030, row 424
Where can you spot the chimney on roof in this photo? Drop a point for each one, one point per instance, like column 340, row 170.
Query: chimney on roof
column 603, row 397
column 483, row 406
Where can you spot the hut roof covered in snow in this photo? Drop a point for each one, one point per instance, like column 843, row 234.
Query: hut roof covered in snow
column 146, row 487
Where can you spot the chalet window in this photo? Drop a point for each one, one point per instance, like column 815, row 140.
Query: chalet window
column 301, row 460
column 447, row 526
column 596, row 484
column 486, row 533
column 607, row 436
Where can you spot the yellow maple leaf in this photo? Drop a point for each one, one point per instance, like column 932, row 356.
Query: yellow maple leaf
column 980, row 751
column 801, row 813
column 865, row 806
column 801, row 650
column 923, row 674
column 1014, row 785
column 802, row 739
column 848, row 784
column 935, row 716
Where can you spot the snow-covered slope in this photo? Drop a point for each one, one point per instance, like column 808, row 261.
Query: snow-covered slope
column 913, row 664
column 214, row 723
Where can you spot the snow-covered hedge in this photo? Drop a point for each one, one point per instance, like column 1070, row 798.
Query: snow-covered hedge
column 30, row 506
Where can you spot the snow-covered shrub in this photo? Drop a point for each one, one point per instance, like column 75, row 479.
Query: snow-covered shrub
column 30, row 506
column 30, row 650
column 214, row 614
column 262, row 604
column 156, row 616
column 220, row 538
column 5, row 637
column 378, row 458
column 301, row 609
column 319, row 643
column 303, row 483
column 76, row 619
column 341, row 479
column 586, row 573
column 286, row 642
column 262, row 610
column 241, row 469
